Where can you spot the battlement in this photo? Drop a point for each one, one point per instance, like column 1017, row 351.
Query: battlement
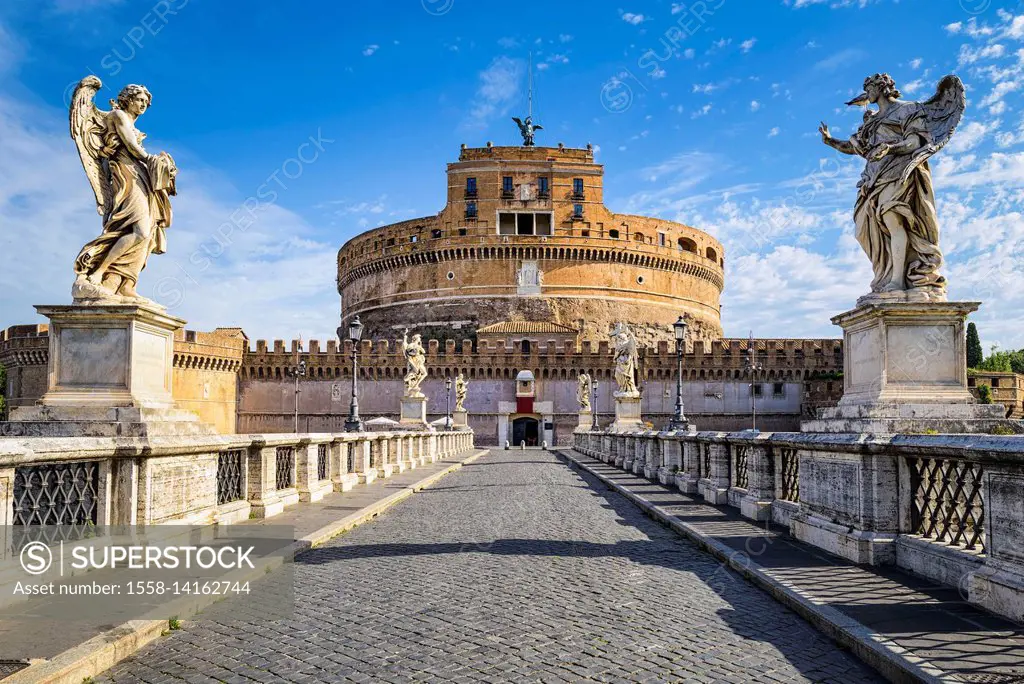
column 521, row 153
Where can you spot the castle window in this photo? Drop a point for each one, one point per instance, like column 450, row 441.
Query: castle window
column 577, row 212
column 687, row 245
column 756, row 389
column 614, row 234
column 526, row 346
column 995, row 382
column 471, row 210
column 639, row 237
column 524, row 224
column 506, row 224
column 436, row 233
column 543, row 222
column 577, row 188
column 463, row 232
column 506, row 187
column 712, row 254
column 585, row 233
column 779, row 389
column 471, row 187
column 662, row 239
column 391, row 242
column 543, row 190
column 414, row 238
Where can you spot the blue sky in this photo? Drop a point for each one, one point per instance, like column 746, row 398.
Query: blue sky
column 346, row 113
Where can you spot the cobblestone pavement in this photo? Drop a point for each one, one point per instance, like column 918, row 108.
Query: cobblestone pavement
column 515, row 568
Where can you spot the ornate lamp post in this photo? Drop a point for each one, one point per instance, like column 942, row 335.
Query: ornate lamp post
column 751, row 367
column 297, row 371
column 594, row 409
column 678, row 421
column 447, row 404
column 355, row 334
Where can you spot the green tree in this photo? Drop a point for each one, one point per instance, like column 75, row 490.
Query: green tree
column 975, row 355
column 984, row 394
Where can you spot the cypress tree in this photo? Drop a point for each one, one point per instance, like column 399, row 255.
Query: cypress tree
column 974, row 353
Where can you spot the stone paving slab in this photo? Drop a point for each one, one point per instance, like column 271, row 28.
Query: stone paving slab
column 928, row 626
column 314, row 523
column 515, row 568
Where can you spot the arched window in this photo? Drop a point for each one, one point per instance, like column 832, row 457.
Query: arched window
column 687, row 245
column 712, row 254
column 639, row 237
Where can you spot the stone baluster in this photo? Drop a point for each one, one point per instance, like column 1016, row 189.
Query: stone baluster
column 714, row 486
column 262, row 491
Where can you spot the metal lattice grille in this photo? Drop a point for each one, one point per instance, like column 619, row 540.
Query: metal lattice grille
column 789, row 461
column 739, row 454
column 229, row 475
column 57, row 494
column 704, row 462
column 948, row 504
column 285, row 467
column 321, row 461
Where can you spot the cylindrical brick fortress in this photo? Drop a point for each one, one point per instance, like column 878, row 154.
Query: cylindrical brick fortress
column 525, row 236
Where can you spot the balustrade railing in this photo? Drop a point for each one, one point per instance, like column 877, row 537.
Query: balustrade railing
column 322, row 467
column 285, row 467
column 56, row 493
column 947, row 502
column 787, row 464
column 230, row 476
column 739, row 456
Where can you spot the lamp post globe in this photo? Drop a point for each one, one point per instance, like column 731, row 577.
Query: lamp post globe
column 355, row 334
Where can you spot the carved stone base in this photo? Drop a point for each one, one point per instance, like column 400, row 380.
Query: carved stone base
column 585, row 421
column 414, row 412
column 905, row 370
column 627, row 413
column 460, row 419
column 110, row 373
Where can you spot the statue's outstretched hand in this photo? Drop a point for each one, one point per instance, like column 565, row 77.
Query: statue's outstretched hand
column 825, row 135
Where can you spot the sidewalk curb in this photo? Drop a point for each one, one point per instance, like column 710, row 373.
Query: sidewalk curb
column 105, row 650
column 891, row 660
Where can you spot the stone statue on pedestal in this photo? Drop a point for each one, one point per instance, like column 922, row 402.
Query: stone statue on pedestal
column 460, row 392
column 583, row 390
column 626, row 356
column 895, row 211
column 132, row 189
column 415, row 358
column 527, row 129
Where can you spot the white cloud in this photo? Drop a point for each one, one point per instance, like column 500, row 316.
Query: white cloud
column 370, row 49
column 631, row 18
column 773, row 132
column 703, row 111
column 843, row 58
column 12, row 51
column 754, row 105
column 915, row 64
column 564, row 37
column 748, row 44
column 498, row 90
column 689, row 53
column 970, row 136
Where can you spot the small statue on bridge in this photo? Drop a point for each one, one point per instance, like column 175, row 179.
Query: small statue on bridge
column 583, row 390
column 415, row 358
column 626, row 358
column 460, row 392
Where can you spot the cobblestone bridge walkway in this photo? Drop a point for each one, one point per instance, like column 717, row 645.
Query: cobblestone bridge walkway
column 515, row 568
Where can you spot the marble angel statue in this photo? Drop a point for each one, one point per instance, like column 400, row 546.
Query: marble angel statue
column 625, row 355
column 583, row 390
column 415, row 358
column 895, row 217
column 132, row 189
column 461, row 387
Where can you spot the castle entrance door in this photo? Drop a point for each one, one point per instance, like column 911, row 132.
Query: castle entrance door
column 525, row 430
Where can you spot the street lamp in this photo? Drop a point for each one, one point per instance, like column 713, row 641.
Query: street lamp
column 355, row 334
column 594, row 410
column 297, row 371
column 447, row 404
column 678, row 421
column 751, row 367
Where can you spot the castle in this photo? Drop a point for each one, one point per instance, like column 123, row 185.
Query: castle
column 515, row 284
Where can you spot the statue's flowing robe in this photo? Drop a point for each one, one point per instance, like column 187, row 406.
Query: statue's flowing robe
column 881, row 192
column 141, row 205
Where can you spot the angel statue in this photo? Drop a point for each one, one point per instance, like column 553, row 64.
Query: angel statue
column 527, row 129
column 132, row 189
column 415, row 357
column 460, row 392
column 625, row 356
column 895, row 210
column 583, row 390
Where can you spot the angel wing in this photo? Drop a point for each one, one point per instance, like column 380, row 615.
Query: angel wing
column 942, row 113
column 519, row 122
column 538, row 127
column 86, row 123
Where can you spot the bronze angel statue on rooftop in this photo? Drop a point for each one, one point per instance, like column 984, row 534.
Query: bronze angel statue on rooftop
column 132, row 189
column 527, row 129
column 895, row 216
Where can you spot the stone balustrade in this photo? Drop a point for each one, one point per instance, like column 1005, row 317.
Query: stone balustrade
column 947, row 507
column 198, row 479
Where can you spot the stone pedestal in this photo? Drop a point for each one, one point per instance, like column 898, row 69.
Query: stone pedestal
column 585, row 422
column 110, row 374
column 905, row 371
column 460, row 419
column 627, row 413
column 414, row 412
